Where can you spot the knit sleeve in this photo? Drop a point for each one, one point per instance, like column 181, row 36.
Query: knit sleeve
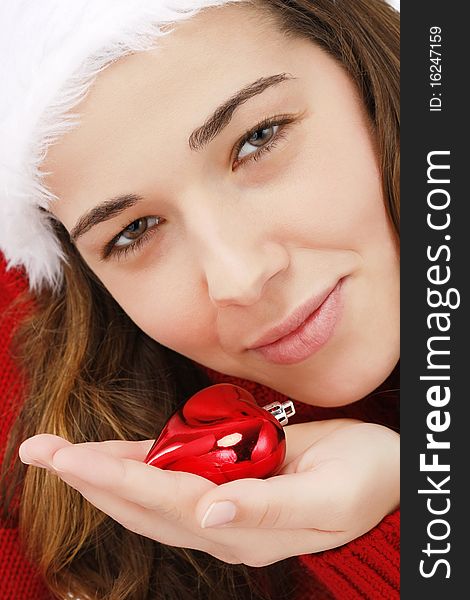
column 365, row 568
column 18, row 579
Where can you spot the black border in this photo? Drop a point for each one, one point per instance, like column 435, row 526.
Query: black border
column 424, row 131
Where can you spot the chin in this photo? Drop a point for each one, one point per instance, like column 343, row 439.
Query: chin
column 352, row 384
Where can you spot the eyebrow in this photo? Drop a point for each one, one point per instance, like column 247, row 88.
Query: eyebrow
column 221, row 117
column 199, row 138
column 103, row 212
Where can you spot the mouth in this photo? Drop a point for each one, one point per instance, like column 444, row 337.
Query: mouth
column 304, row 331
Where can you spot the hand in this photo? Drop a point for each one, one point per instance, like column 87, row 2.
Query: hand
column 340, row 478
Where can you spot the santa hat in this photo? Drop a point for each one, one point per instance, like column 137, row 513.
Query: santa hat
column 51, row 51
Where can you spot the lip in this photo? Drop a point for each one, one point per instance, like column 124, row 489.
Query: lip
column 304, row 331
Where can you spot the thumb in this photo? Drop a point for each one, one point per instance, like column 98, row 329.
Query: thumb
column 294, row 501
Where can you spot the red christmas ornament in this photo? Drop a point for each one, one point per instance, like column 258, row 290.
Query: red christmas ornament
column 223, row 435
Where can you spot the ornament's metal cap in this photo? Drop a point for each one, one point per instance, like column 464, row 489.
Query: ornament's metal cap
column 282, row 411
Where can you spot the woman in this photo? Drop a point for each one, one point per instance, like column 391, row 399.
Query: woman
column 226, row 199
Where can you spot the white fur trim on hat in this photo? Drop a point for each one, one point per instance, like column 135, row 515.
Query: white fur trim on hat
column 50, row 53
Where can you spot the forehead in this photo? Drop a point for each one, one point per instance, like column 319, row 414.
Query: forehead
column 150, row 102
column 196, row 64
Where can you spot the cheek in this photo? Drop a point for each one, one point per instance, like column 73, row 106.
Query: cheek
column 334, row 195
column 172, row 313
column 325, row 182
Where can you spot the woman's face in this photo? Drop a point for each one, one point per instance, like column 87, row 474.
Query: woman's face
column 216, row 241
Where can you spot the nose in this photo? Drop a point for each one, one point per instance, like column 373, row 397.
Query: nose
column 237, row 264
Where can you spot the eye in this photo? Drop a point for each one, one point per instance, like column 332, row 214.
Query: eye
column 131, row 238
column 263, row 138
column 257, row 139
column 134, row 231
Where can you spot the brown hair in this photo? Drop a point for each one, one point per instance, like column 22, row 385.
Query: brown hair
column 93, row 375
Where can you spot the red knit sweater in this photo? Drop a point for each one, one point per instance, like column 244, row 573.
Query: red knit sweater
column 366, row 568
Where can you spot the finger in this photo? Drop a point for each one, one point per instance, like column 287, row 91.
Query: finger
column 252, row 547
column 166, row 491
column 248, row 546
column 37, row 450
column 293, row 501
column 135, row 450
column 136, row 518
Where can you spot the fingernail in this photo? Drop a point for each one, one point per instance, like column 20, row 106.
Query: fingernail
column 219, row 513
